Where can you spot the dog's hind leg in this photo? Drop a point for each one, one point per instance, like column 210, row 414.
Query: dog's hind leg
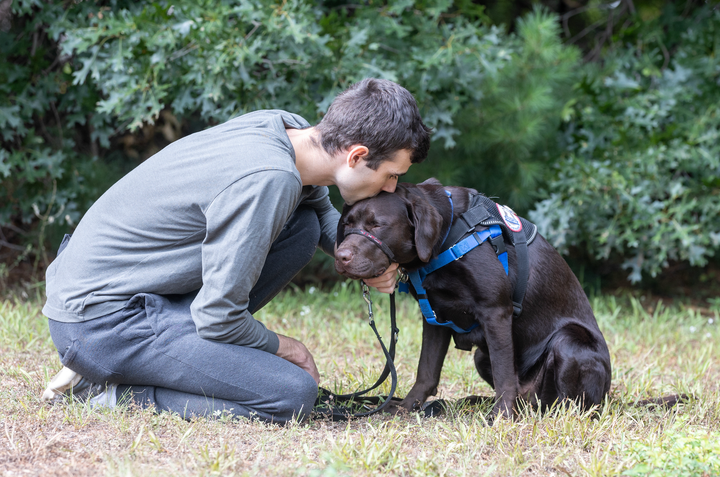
column 577, row 367
column 483, row 364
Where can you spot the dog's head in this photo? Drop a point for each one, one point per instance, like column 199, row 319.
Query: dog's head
column 406, row 221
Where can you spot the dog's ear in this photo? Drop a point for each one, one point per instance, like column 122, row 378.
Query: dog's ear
column 431, row 181
column 427, row 221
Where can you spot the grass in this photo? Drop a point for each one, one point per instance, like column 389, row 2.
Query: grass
column 655, row 349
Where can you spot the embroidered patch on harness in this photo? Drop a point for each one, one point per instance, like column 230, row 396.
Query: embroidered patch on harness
column 510, row 218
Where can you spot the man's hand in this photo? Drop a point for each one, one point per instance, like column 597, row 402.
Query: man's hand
column 385, row 283
column 296, row 352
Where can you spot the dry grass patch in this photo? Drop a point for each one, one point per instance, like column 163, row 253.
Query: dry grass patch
column 667, row 351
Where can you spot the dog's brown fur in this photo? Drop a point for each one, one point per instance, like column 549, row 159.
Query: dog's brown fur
column 553, row 351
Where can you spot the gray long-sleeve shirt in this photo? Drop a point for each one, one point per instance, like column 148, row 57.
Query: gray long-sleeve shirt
column 200, row 214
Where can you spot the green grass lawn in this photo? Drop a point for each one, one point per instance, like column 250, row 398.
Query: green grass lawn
column 656, row 350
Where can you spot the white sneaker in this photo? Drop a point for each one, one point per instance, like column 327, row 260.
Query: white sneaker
column 64, row 380
column 69, row 384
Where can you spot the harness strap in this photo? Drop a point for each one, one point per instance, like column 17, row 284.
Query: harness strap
column 464, row 246
column 521, row 253
column 450, row 255
column 466, row 223
column 452, row 212
column 427, row 310
column 478, row 214
column 498, row 243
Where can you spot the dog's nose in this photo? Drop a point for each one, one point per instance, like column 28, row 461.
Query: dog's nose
column 344, row 255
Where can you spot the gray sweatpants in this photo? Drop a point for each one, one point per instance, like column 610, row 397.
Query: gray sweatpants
column 151, row 348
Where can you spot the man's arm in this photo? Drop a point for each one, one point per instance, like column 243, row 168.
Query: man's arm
column 242, row 222
column 327, row 214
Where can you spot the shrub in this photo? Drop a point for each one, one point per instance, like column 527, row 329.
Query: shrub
column 75, row 76
column 507, row 140
column 640, row 176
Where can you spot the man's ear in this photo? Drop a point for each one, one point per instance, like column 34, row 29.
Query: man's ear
column 427, row 222
column 355, row 153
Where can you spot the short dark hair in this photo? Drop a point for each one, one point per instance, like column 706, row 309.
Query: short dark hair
column 379, row 114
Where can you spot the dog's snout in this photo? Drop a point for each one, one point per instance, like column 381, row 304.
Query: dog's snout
column 344, row 255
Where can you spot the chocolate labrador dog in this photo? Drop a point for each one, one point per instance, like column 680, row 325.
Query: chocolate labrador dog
column 551, row 352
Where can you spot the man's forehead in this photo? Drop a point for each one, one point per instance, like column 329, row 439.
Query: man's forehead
column 400, row 162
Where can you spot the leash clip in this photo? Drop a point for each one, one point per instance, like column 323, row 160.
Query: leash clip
column 366, row 297
column 402, row 275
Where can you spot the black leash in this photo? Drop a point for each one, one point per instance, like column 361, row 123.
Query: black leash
column 341, row 407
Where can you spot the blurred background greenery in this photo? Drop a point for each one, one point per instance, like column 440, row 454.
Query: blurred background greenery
column 597, row 120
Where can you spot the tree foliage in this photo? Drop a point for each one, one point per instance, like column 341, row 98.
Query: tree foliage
column 622, row 152
column 507, row 137
column 640, row 176
column 84, row 73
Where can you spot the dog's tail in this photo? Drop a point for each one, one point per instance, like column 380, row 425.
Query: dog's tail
column 665, row 402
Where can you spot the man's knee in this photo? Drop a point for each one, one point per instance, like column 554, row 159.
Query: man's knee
column 298, row 399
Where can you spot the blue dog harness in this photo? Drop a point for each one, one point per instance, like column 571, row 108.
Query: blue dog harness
column 500, row 222
column 484, row 212
column 455, row 252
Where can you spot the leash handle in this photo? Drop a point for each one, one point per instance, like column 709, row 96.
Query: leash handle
column 337, row 413
column 393, row 387
column 389, row 355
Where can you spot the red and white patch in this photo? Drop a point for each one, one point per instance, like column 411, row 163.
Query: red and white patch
column 510, row 218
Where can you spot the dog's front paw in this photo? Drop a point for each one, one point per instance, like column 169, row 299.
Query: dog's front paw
column 404, row 406
column 395, row 408
column 501, row 410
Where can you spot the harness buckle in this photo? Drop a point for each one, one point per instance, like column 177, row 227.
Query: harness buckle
column 498, row 243
column 456, row 253
column 457, row 257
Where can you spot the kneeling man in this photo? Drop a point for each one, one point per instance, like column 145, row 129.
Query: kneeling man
column 153, row 295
